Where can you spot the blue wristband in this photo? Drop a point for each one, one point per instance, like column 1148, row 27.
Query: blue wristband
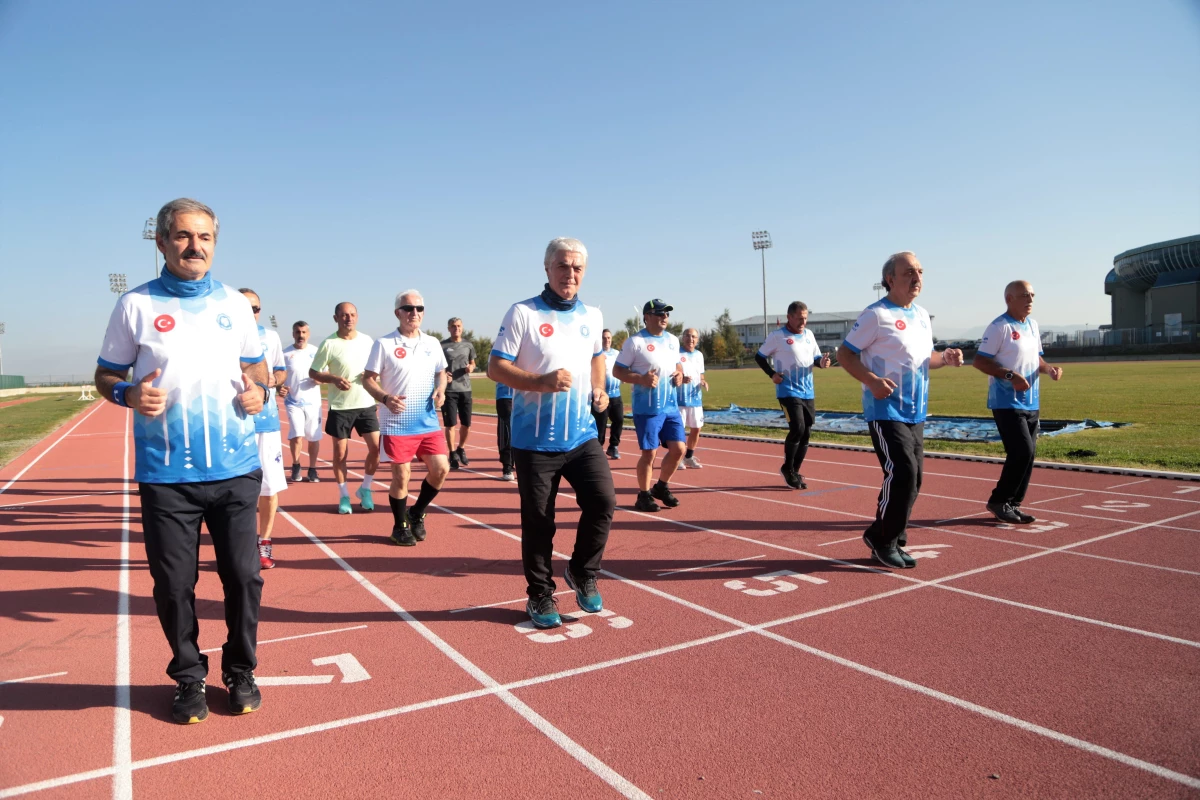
column 118, row 393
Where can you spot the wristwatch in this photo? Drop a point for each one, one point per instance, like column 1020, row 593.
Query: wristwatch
column 1008, row 376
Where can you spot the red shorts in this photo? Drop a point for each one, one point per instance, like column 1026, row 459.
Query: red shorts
column 401, row 449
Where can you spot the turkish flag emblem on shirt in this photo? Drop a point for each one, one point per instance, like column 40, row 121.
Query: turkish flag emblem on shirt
column 1016, row 335
column 546, row 329
column 164, row 323
column 650, row 347
column 791, row 341
column 900, row 325
column 401, row 352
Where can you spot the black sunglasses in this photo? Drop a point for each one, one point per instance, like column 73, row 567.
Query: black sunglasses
column 412, row 308
column 659, row 313
column 256, row 309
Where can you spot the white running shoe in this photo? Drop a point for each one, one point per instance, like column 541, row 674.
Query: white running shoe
column 692, row 463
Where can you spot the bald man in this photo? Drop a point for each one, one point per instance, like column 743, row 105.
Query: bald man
column 1011, row 356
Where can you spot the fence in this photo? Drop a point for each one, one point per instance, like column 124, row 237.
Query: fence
column 12, row 382
column 63, row 379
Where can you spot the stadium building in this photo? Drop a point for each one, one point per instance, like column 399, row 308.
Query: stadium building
column 829, row 329
column 1155, row 291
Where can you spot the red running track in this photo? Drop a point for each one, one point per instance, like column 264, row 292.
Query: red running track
column 751, row 649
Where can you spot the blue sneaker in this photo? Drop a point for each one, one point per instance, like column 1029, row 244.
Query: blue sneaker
column 586, row 594
column 543, row 610
column 365, row 498
column 344, row 506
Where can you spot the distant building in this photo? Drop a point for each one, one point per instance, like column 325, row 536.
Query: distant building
column 828, row 328
column 1156, row 286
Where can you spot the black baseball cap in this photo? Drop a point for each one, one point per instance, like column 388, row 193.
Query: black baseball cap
column 656, row 306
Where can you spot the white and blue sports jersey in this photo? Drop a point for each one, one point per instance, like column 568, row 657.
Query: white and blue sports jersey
column 199, row 342
column 503, row 392
column 642, row 353
column 268, row 420
column 895, row 343
column 539, row 339
column 612, row 386
column 302, row 390
column 793, row 356
column 408, row 368
column 690, row 395
column 1016, row 346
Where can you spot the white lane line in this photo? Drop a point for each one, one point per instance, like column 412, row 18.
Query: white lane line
column 292, row 680
column 841, row 541
column 591, row 762
column 707, row 566
column 32, row 678
column 122, row 718
column 41, row 455
column 1054, row 499
column 1131, row 483
column 1188, row 490
column 59, row 499
column 297, row 636
column 503, row 603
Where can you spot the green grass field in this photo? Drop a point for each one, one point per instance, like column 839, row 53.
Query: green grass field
column 23, row 425
column 1160, row 398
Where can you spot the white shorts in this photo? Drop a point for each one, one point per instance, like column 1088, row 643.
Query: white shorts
column 693, row 416
column 304, row 421
column 270, row 453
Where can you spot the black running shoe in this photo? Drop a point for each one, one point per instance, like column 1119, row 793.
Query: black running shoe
column 800, row 480
column 792, row 479
column 244, row 696
column 403, row 536
column 1025, row 518
column 613, row 453
column 889, row 558
column 453, row 460
column 645, row 503
column 312, row 475
column 660, row 491
column 462, row 457
column 295, row 473
column 189, row 706
column 1004, row 513
column 909, row 561
column 418, row 527
column 543, row 611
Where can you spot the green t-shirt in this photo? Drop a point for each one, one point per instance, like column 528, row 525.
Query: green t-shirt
column 345, row 358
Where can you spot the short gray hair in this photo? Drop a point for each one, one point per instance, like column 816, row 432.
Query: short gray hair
column 407, row 293
column 567, row 244
column 453, row 320
column 184, row 205
column 889, row 266
column 797, row 306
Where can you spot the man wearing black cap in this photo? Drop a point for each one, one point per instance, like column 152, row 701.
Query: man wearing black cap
column 647, row 359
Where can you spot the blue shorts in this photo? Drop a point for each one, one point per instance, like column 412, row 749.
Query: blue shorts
column 655, row 429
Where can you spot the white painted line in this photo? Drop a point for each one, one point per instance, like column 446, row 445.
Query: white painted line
column 1130, row 483
column 1052, row 499
column 58, row 499
column 709, row 566
column 122, row 718
column 292, row 680
column 33, row 678
column 42, row 454
column 297, row 636
column 841, row 541
column 1188, row 490
column 504, row 603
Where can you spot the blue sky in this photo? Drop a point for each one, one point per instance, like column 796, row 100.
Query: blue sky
column 355, row 151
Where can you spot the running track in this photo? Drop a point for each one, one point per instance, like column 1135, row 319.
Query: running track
column 752, row 650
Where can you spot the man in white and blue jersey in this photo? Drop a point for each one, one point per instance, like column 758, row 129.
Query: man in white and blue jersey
column 691, row 394
column 302, row 400
column 650, row 361
column 406, row 374
column 199, row 378
column 1011, row 355
column 549, row 351
column 788, row 356
column 267, row 427
column 504, row 405
column 890, row 352
column 615, row 413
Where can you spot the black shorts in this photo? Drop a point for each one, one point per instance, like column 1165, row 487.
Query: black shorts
column 458, row 404
column 341, row 422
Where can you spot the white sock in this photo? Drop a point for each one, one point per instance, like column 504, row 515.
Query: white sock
column 342, row 490
column 367, row 481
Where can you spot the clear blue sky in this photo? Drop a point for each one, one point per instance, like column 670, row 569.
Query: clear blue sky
column 354, row 150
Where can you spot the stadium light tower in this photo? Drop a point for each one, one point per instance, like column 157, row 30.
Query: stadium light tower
column 148, row 233
column 878, row 287
column 762, row 240
column 116, row 283
column 274, row 324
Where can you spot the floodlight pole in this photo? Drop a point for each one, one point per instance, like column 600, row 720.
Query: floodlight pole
column 148, row 232
column 762, row 240
column 879, row 287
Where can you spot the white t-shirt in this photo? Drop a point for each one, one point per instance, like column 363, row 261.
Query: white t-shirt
column 612, row 386
column 1016, row 346
column 690, row 395
column 199, row 343
column 793, row 356
column 302, row 390
column 408, row 368
column 642, row 353
column 268, row 419
column 539, row 339
column 895, row 343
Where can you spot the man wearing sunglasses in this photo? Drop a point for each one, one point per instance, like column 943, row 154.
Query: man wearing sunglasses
column 339, row 362
column 549, row 351
column 406, row 374
column 456, row 413
column 266, row 428
column 650, row 361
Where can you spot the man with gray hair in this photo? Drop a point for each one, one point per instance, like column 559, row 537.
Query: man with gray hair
column 456, row 413
column 199, row 379
column 890, row 351
column 1011, row 356
column 549, row 350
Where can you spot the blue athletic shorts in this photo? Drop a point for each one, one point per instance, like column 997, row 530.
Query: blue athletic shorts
column 655, row 429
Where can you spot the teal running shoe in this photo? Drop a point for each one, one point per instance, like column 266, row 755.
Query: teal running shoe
column 366, row 499
column 586, row 594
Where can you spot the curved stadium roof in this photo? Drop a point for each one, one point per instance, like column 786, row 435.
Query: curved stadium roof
column 1142, row 267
